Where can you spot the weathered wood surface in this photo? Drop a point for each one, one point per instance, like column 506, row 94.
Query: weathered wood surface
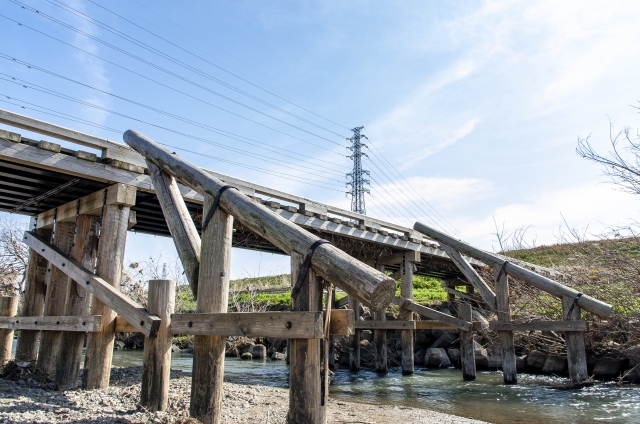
column 292, row 325
column 588, row 303
column 111, row 247
column 33, row 301
column 213, row 297
column 471, row 275
column 507, row 347
column 467, row 354
column 342, row 322
column 576, row 354
column 539, row 326
column 438, row 325
column 380, row 338
column 406, row 336
column 397, row 258
column 183, row 230
column 342, row 302
column 83, row 324
column 123, row 326
column 386, row 325
column 156, row 364
column 359, row 280
column 85, row 252
column 354, row 339
column 433, row 314
column 331, row 351
column 135, row 314
column 8, row 310
column 305, row 378
column 55, row 301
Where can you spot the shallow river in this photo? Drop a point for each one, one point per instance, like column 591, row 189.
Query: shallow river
column 531, row 401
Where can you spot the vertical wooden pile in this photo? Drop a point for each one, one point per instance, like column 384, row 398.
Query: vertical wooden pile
column 354, row 340
column 406, row 291
column 8, row 308
column 380, row 338
column 576, row 355
column 507, row 347
column 467, row 352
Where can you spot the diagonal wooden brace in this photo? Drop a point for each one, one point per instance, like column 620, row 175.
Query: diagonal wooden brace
column 433, row 314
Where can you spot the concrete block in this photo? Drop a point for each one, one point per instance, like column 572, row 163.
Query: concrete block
column 555, row 364
column 47, row 145
column 535, row 360
column 10, row 136
column 437, row 358
column 609, row 367
column 91, row 157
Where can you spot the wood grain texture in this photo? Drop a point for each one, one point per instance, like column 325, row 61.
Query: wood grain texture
column 83, row 324
column 33, row 301
column 396, row 258
column 433, row 314
column 467, row 354
column 8, row 310
column 354, row 339
column 359, row 280
column 577, row 326
column 576, row 354
column 342, row 322
column 438, row 325
column 156, row 364
column 406, row 336
column 503, row 312
column 55, row 300
column 386, row 325
column 135, row 314
column 183, row 230
column 85, row 252
column 380, row 338
column 472, row 276
column 588, row 303
column 99, row 351
column 213, row 297
column 305, row 378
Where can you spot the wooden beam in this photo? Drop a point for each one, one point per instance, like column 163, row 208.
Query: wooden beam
column 406, row 336
column 396, row 258
column 341, row 302
column 359, row 280
column 472, row 275
column 183, row 230
column 433, row 314
column 539, row 326
column 8, row 310
column 84, row 324
column 354, row 339
column 380, row 339
column 438, row 325
column 467, row 352
column 143, row 321
column 588, row 303
column 385, row 325
column 576, row 354
column 342, row 322
column 507, row 347
column 123, row 326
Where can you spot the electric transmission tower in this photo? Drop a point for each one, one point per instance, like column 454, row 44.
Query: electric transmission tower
column 357, row 180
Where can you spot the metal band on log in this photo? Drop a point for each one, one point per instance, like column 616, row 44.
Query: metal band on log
column 587, row 303
column 359, row 280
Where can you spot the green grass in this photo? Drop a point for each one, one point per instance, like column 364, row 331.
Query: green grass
column 426, row 290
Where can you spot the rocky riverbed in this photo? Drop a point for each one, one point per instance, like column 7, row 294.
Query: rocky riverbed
column 35, row 402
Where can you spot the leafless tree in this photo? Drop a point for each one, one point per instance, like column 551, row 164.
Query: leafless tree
column 14, row 255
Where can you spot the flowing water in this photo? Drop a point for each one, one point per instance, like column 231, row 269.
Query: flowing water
column 532, row 400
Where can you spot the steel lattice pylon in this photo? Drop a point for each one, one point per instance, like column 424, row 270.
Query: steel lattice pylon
column 357, row 181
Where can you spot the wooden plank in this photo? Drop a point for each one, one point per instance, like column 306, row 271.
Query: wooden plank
column 287, row 325
column 183, row 230
column 342, row 322
column 433, row 314
column 472, row 276
column 576, row 354
column 359, row 280
column 156, row 364
column 507, row 347
column 386, row 325
column 123, row 326
column 467, row 353
column 84, row 324
column 539, row 326
column 396, row 258
column 406, row 336
column 146, row 323
column 33, row 300
column 8, row 310
column 213, row 297
column 588, row 303
column 438, row 325
column 342, row 302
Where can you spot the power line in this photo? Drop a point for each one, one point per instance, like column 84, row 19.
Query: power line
column 183, row 119
column 169, row 87
column 26, row 7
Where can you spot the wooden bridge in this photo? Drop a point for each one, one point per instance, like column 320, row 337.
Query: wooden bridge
column 84, row 202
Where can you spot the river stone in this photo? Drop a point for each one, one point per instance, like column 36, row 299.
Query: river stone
column 367, row 352
column 275, row 345
column 555, row 364
column 535, row 360
column 247, row 347
column 259, row 351
column 437, row 358
column 366, row 335
column 608, row 367
column 454, row 356
column 277, row 356
column 246, row 356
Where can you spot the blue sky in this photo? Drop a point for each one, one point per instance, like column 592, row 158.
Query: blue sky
column 478, row 105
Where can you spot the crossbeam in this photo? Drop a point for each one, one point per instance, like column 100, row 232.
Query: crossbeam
column 88, row 323
column 385, row 325
column 432, row 313
column 539, row 326
column 135, row 314
column 438, row 325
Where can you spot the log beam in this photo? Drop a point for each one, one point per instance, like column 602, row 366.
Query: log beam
column 472, row 276
column 8, row 310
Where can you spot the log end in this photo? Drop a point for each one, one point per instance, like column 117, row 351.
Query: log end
column 383, row 294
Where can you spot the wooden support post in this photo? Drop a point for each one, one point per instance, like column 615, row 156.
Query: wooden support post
column 332, row 339
column 213, row 297
column 183, row 230
column 111, row 246
column 8, row 308
column 55, row 301
column 305, row 378
column 506, row 337
column 467, row 354
column 380, row 338
column 406, row 291
column 576, row 355
column 35, row 290
column 156, row 365
column 354, row 340
column 85, row 252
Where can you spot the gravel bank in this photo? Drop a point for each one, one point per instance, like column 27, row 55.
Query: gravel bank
column 32, row 402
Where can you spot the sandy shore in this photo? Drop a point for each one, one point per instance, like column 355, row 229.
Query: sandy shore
column 32, row 402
